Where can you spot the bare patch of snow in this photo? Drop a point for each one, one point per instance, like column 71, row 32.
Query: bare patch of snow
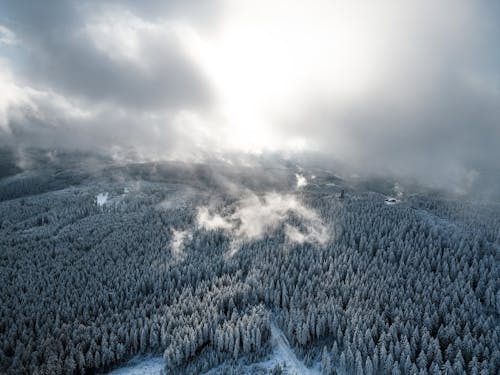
column 144, row 366
column 282, row 355
column 102, row 198
column 392, row 201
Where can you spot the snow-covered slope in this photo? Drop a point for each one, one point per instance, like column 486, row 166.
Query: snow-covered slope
column 144, row 366
column 282, row 355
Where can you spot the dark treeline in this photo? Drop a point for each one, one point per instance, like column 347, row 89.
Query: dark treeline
column 406, row 289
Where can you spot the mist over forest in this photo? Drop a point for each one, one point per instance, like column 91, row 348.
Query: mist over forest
column 234, row 187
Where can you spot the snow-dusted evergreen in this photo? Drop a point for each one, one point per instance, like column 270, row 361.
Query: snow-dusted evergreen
column 411, row 288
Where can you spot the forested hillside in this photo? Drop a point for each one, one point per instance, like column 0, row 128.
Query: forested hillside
column 359, row 285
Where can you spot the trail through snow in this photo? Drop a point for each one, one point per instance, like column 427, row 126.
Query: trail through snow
column 282, row 353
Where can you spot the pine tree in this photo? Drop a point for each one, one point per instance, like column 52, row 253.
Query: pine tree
column 368, row 366
column 335, row 352
column 359, row 364
column 342, row 364
column 326, row 364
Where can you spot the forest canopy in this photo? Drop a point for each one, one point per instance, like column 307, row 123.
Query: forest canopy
column 161, row 259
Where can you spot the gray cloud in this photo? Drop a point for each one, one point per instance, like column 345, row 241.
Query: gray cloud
column 63, row 55
column 120, row 75
column 433, row 113
column 440, row 135
column 96, row 76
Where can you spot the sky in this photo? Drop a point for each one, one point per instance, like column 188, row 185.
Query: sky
column 408, row 87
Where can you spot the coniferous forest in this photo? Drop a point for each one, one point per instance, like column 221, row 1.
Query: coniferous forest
column 235, row 187
column 138, row 260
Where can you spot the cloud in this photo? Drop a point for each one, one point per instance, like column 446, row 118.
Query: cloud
column 254, row 217
column 105, row 79
column 301, row 180
column 107, row 53
column 178, row 242
column 211, row 221
column 399, row 87
column 316, row 233
column 180, row 198
column 7, row 37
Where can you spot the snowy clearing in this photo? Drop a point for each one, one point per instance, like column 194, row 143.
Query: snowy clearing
column 282, row 354
column 141, row 366
column 102, row 198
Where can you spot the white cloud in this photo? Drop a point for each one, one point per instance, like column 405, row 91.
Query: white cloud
column 301, row 180
column 346, row 82
column 255, row 216
column 399, row 190
column 210, row 221
column 121, row 35
column 178, row 242
column 7, row 37
column 316, row 233
column 12, row 96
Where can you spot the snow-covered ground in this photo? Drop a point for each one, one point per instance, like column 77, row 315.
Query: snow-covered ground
column 392, row 201
column 282, row 354
column 141, row 366
column 102, row 198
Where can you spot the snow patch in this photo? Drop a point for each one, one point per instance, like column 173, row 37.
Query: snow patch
column 102, row 198
column 145, row 366
column 392, row 201
column 282, row 355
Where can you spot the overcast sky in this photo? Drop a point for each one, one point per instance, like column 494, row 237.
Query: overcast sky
column 408, row 86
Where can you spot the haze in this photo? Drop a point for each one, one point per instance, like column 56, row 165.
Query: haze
column 402, row 87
